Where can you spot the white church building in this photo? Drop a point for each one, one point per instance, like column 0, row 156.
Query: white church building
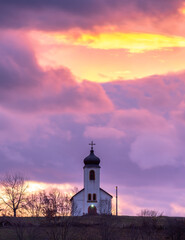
column 91, row 199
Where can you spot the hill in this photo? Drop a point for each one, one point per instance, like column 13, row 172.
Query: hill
column 93, row 228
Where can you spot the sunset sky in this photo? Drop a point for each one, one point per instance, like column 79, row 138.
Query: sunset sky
column 72, row 71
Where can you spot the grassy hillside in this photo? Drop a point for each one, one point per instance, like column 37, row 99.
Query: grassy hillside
column 92, row 228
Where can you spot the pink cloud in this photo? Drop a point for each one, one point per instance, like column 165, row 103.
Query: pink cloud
column 42, row 129
column 26, row 87
column 153, row 150
column 163, row 200
column 160, row 93
column 151, row 113
column 16, row 128
column 177, row 210
column 138, row 120
column 95, row 132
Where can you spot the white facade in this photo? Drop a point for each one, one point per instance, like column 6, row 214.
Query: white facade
column 92, row 188
column 91, row 199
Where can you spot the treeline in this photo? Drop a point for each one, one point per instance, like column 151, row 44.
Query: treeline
column 17, row 201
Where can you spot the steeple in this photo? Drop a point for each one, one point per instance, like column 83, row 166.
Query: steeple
column 92, row 159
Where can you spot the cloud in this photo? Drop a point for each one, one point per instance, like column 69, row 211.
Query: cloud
column 168, row 201
column 66, row 14
column 40, row 109
column 151, row 113
column 177, row 210
column 132, row 42
column 46, row 117
column 85, row 7
column 103, row 132
column 153, row 150
column 24, row 86
column 65, row 188
column 17, row 128
column 154, row 140
column 139, row 120
column 158, row 93
column 18, row 67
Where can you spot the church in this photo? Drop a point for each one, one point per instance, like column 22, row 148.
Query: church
column 91, row 199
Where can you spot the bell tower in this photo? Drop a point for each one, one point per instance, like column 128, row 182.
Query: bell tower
column 91, row 199
column 91, row 167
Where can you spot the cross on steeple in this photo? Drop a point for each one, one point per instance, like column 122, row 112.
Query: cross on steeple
column 92, row 144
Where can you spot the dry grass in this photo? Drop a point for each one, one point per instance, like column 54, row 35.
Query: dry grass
column 92, row 228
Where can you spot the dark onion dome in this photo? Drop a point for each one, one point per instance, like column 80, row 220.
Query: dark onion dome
column 91, row 159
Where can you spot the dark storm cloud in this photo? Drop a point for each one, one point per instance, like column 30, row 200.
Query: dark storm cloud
column 18, row 68
column 76, row 7
column 53, row 15
column 93, row 6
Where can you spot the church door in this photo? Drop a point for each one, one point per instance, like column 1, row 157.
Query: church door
column 92, row 210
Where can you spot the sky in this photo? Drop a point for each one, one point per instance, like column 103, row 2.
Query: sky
column 102, row 70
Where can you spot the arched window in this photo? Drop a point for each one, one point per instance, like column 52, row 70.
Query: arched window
column 92, row 175
column 94, row 196
column 89, row 197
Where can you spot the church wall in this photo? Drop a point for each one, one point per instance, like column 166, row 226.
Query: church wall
column 77, row 204
column 105, row 203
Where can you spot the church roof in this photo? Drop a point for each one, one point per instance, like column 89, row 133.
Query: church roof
column 92, row 159
column 76, row 194
column 106, row 192
column 83, row 190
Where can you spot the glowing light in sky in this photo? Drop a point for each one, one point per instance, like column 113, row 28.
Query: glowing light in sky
column 133, row 42
column 55, row 50
column 40, row 186
column 182, row 9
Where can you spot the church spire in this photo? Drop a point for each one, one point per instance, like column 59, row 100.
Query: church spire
column 92, row 144
column 92, row 159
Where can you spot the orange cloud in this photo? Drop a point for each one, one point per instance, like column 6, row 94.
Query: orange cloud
column 182, row 9
column 177, row 210
column 66, row 188
column 133, row 42
column 54, row 49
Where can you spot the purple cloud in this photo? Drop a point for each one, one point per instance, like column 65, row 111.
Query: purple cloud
column 103, row 132
column 47, row 120
column 24, row 86
column 53, row 15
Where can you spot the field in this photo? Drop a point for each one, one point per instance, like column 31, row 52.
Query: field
column 92, row 228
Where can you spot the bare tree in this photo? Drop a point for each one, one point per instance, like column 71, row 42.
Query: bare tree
column 13, row 192
column 48, row 204
column 34, row 204
column 56, row 204
column 105, row 207
column 150, row 213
